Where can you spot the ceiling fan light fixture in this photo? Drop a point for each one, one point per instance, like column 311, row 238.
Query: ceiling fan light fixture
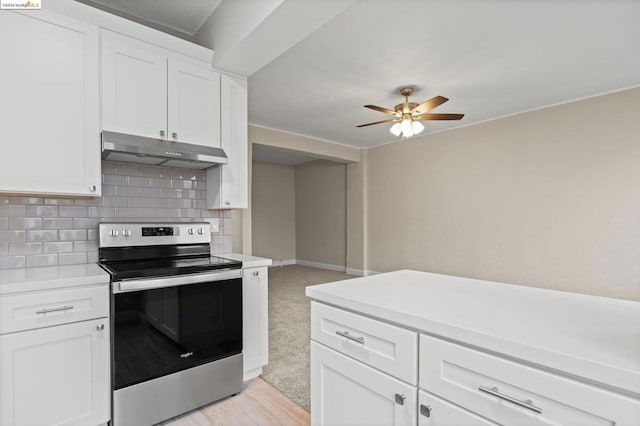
column 417, row 127
column 406, row 128
column 407, row 116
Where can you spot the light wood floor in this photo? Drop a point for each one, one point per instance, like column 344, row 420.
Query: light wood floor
column 258, row 404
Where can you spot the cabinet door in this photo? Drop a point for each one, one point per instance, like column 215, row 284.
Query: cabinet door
column 194, row 103
column 434, row 411
column 49, row 112
column 227, row 185
column 134, row 86
column 345, row 391
column 255, row 332
column 57, row 375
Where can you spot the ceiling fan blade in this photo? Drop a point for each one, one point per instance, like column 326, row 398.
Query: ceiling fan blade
column 379, row 122
column 429, row 105
column 381, row 109
column 438, row 117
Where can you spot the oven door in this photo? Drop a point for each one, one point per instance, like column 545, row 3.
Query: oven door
column 165, row 325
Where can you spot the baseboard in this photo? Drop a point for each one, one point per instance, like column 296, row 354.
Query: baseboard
column 319, row 265
column 283, row 262
column 248, row 375
column 330, row 267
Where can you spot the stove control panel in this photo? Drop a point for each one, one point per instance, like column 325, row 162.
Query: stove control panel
column 146, row 234
column 156, row 231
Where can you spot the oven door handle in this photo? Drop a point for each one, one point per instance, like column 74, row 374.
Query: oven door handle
column 153, row 283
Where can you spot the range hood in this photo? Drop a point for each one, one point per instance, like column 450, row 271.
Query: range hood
column 159, row 152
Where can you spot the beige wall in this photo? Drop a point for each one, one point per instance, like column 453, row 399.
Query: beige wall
column 356, row 217
column 549, row 198
column 273, row 211
column 320, row 193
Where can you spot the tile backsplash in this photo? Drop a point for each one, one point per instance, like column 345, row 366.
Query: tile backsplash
column 42, row 231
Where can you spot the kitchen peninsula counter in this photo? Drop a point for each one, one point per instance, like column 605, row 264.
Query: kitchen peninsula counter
column 594, row 338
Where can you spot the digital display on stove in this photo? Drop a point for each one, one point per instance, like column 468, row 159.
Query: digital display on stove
column 157, row 231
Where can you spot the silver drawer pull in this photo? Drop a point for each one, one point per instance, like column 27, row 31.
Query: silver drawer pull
column 46, row 311
column 425, row 410
column 350, row 337
column 524, row 404
column 400, row 399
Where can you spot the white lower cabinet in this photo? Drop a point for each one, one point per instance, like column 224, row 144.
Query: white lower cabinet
column 255, row 335
column 459, row 385
column 509, row 392
column 386, row 347
column 434, row 411
column 348, row 392
column 56, row 375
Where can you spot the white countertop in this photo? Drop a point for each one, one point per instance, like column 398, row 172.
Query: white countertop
column 51, row 277
column 592, row 337
column 247, row 261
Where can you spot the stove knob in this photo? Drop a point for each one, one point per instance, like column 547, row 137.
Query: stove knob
column 126, row 232
column 113, row 232
column 190, row 231
column 200, row 231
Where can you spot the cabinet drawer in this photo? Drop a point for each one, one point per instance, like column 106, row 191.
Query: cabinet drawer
column 512, row 393
column 36, row 310
column 434, row 411
column 391, row 349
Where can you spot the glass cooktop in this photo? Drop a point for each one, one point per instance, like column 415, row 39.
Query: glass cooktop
column 149, row 268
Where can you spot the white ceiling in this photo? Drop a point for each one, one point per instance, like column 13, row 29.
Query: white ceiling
column 280, row 156
column 181, row 18
column 490, row 57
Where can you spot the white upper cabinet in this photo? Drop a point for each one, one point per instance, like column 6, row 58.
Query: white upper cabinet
column 194, row 103
column 49, row 107
column 153, row 92
column 227, row 185
column 134, row 86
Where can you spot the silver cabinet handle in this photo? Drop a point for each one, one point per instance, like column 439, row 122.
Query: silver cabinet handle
column 524, row 404
column 161, row 132
column 100, row 327
column 350, row 337
column 62, row 308
column 92, row 188
column 227, row 202
column 256, row 273
column 174, row 135
column 425, row 410
column 400, row 399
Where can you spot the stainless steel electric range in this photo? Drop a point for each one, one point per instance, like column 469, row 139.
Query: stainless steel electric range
column 176, row 317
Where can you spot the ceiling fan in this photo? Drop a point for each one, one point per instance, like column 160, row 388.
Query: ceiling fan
column 407, row 115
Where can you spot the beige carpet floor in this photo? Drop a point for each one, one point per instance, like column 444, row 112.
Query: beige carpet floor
column 289, row 328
